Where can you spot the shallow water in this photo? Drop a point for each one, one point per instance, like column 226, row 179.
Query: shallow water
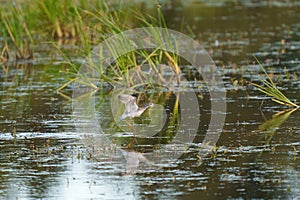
column 257, row 153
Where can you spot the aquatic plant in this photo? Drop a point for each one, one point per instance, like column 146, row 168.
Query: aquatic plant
column 269, row 88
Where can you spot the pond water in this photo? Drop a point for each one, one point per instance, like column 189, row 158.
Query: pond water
column 42, row 154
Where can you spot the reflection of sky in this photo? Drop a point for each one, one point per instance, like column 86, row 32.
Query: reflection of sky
column 293, row 183
column 35, row 173
column 82, row 181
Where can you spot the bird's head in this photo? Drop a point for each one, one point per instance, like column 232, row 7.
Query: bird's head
column 135, row 95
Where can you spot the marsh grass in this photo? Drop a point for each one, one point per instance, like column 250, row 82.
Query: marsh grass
column 107, row 23
column 58, row 17
column 269, row 88
column 88, row 23
column 24, row 24
column 4, row 56
column 17, row 32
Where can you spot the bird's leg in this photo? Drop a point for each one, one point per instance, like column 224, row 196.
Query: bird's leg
column 129, row 124
column 134, row 131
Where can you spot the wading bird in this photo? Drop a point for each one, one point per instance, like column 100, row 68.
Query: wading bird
column 131, row 108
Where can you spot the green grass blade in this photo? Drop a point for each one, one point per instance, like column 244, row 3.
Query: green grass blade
column 269, row 88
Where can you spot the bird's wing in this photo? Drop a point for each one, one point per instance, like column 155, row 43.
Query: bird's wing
column 130, row 103
column 125, row 98
column 131, row 107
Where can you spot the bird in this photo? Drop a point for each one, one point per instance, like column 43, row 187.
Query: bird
column 131, row 108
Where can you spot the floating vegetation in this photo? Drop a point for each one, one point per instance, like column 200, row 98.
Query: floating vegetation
column 269, row 88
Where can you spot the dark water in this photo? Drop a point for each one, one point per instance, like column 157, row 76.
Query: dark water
column 256, row 156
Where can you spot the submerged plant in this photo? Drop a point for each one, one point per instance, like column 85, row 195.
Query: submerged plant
column 269, row 88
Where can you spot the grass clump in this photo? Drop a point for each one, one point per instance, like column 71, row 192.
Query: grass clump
column 88, row 23
column 269, row 88
column 111, row 22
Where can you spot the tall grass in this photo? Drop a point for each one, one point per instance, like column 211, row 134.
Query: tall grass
column 17, row 32
column 59, row 17
column 4, row 56
column 24, row 23
column 89, row 23
column 114, row 22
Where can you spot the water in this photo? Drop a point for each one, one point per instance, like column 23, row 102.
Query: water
column 256, row 156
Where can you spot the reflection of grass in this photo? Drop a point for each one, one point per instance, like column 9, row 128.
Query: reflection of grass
column 271, row 125
column 269, row 88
